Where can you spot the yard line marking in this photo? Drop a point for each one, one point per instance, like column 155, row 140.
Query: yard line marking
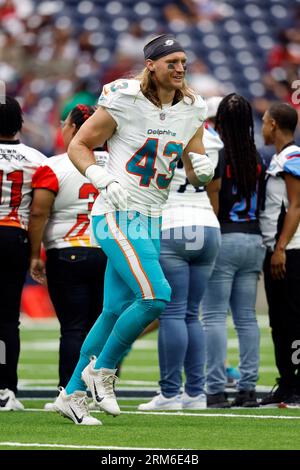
column 139, row 382
column 27, row 323
column 146, row 344
column 141, row 368
column 180, row 413
column 268, row 369
column 25, row 382
column 53, row 345
column 140, row 386
column 34, row 365
column 233, row 343
column 139, row 345
column 50, row 345
column 50, row 366
column 262, row 320
column 215, row 415
column 50, row 324
column 49, row 399
column 73, row 446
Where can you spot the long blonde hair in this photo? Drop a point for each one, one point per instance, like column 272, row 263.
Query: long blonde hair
column 149, row 89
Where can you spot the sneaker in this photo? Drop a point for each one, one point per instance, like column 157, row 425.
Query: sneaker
column 291, row 402
column 193, row 403
column 232, row 375
column 8, row 401
column 50, row 406
column 246, row 399
column 160, row 403
column 93, row 407
column 74, row 407
column 279, row 394
column 217, row 400
column 101, row 384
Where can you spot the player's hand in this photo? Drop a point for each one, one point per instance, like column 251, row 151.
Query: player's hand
column 202, row 166
column 278, row 264
column 37, row 270
column 116, row 195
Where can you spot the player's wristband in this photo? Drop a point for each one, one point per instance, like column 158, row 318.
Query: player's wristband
column 98, row 176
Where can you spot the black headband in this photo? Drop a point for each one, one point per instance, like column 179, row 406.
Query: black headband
column 162, row 45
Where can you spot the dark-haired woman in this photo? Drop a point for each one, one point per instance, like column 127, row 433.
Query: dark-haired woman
column 18, row 163
column 233, row 284
column 62, row 202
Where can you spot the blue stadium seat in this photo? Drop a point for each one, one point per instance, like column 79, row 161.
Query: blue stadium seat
column 233, row 48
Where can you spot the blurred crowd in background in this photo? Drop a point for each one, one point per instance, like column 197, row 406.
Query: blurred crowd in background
column 56, row 54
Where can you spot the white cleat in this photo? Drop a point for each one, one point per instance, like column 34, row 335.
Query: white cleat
column 50, row 406
column 8, row 401
column 101, row 384
column 198, row 402
column 74, row 407
column 160, row 403
column 93, row 407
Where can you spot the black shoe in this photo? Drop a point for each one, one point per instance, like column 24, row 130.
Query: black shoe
column 279, row 393
column 245, row 398
column 217, row 400
column 292, row 402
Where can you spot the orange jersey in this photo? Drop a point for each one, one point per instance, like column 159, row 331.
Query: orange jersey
column 18, row 163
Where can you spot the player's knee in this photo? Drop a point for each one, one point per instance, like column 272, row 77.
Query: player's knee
column 154, row 307
column 163, row 291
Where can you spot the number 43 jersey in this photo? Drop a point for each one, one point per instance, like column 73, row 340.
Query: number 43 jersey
column 147, row 143
column 68, row 223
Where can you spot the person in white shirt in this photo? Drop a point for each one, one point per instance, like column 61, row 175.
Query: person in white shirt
column 279, row 222
column 18, row 163
column 189, row 246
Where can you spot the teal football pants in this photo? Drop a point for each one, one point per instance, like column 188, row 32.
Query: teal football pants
column 135, row 288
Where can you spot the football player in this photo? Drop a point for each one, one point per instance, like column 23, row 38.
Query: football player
column 149, row 123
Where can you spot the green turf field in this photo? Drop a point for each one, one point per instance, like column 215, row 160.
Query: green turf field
column 207, row 429
column 39, row 355
column 239, row 429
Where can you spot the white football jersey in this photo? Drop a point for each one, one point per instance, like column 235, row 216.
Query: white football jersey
column 276, row 200
column 187, row 205
column 68, row 223
column 18, row 162
column 147, row 144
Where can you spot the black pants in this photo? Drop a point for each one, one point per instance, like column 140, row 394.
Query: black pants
column 284, row 311
column 75, row 281
column 14, row 261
